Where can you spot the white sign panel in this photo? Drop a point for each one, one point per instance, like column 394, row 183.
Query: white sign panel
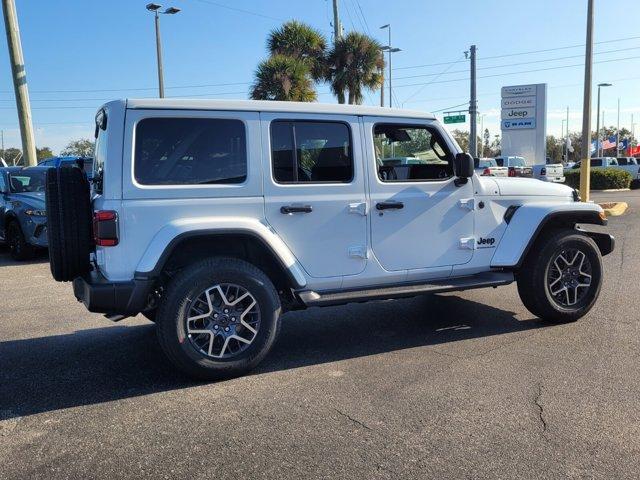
column 518, row 91
column 524, row 122
column 518, row 113
column 518, row 124
column 518, row 102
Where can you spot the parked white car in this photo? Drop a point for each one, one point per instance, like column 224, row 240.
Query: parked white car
column 628, row 164
column 212, row 218
column 489, row 167
column 517, row 166
column 551, row 172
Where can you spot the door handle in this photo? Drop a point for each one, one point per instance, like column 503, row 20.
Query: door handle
column 389, row 205
column 289, row 209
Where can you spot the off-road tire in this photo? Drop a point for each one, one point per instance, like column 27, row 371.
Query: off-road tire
column 532, row 277
column 173, row 310
column 69, row 228
column 19, row 248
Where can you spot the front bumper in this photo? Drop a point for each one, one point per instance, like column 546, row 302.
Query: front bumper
column 100, row 295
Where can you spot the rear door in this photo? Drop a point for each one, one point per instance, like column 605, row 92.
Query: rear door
column 314, row 190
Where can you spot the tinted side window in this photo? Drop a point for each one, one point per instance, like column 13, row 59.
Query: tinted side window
column 500, row 162
column 190, row 151
column 410, row 153
column 622, row 161
column 596, row 162
column 306, row 151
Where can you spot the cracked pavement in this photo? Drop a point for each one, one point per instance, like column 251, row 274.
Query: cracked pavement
column 459, row 385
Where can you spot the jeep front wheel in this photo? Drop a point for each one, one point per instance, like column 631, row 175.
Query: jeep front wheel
column 561, row 278
column 218, row 319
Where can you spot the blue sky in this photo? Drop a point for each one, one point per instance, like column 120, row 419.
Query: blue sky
column 81, row 53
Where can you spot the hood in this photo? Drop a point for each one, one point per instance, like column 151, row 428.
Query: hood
column 33, row 199
column 516, row 186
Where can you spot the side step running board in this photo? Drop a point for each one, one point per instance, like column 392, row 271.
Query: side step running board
column 481, row 280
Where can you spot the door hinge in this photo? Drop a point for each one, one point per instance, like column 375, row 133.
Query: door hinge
column 358, row 251
column 468, row 243
column 360, row 208
column 468, row 203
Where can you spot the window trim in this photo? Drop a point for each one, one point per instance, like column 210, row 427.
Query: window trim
column 144, row 186
column 294, row 142
column 439, row 136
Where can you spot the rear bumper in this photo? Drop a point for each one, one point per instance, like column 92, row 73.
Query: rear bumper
column 100, row 295
column 553, row 179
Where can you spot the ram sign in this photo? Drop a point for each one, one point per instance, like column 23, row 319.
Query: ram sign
column 524, row 122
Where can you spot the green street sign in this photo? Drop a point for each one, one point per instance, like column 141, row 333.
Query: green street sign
column 455, row 119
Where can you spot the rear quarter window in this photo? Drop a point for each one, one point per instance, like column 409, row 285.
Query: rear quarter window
column 190, row 151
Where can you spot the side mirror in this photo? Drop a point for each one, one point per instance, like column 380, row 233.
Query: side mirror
column 464, row 165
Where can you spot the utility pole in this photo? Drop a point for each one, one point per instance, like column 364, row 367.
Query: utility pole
column 337, row 27
column 618, row 132
column 382, row 84
column 566, row 142
column 473, row 107
column 19, row 82
column 585, row 166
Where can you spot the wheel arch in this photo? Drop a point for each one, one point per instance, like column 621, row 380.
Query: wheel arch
column 270, row 255
column 529, row 224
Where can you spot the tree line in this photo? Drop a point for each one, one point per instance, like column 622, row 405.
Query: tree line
column 82, row 147
column 300, row 59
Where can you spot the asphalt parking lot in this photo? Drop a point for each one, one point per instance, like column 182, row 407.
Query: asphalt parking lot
column 461, row 385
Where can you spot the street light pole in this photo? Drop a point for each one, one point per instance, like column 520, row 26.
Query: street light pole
column 390, row 49
column 473, row 106
column 618, row 132
column 585, row 166
column 155, row 8
column 598, row 143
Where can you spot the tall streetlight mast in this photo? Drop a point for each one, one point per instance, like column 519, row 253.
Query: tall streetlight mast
column 598, row 143
column 389, row 48
column 155, row 9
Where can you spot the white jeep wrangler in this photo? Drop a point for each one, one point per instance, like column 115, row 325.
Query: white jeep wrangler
column 212, row 218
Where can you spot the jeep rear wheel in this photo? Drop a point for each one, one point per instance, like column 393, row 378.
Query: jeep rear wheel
column 218, row 319
column 562, row 276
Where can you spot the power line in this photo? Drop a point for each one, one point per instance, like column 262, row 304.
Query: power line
column 516, row 54
column 517, row 73
column 366, row 24
column 429, row 83
column 241, row 10
column 520, row 63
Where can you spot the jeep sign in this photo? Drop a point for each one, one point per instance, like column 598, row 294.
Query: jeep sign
column 524, row 122
column 518, row 113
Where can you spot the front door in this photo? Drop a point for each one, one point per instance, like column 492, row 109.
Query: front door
column 3, row 204
column 314, row 190
column 420, row 217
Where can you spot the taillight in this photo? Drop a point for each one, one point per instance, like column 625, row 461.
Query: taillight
column 105, row 228
column 543, row 171
column 512, row 172
column 486, row 171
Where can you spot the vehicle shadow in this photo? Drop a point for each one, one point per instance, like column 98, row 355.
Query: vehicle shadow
column 115, row 362
column 41, row 256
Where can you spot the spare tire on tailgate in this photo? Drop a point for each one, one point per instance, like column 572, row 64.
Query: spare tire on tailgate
column 68, row 222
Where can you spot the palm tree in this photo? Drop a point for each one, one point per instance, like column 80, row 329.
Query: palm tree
column 303, row 42
column 355, row 63
column 283, row 78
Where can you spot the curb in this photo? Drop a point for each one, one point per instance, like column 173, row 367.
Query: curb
column 613, row 190
column 614, row 209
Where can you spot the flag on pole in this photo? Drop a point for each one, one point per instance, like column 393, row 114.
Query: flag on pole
column 609, row 143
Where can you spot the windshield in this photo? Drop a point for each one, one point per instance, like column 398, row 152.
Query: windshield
column 27, row 181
